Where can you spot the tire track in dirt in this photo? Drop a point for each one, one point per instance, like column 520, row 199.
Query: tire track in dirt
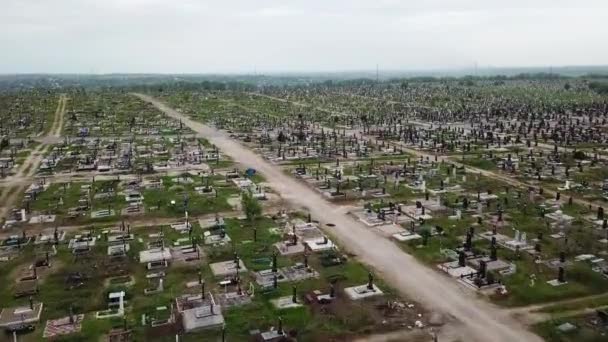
column 28, row 169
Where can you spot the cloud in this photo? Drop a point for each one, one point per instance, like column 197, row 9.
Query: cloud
column 298, row 35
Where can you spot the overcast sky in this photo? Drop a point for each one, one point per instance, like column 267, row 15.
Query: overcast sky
column 189, row 36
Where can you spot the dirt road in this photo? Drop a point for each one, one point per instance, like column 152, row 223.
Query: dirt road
column 19, row 182
column 481, row 321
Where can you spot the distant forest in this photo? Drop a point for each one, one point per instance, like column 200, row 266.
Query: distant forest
column 596, row 78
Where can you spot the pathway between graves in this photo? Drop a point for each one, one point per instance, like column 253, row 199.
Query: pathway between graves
column 481, row 321
column 27, row 170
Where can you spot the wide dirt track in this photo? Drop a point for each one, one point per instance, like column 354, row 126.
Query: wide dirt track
column 479, row 321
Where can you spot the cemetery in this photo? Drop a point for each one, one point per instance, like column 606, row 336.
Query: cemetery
column 122, row 221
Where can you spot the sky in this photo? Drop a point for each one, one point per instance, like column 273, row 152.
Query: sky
column 265, row 36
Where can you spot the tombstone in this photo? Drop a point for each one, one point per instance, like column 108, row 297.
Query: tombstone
column 468, row 242
column 561, row 275
column 280, row 327
column 274, row 262
column 493, row 253
column 482, row 269
column 461, row 259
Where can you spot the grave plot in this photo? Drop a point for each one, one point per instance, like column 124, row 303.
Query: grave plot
column 352, row 180
column 99, row 114
column 13, row 154
column 178, row 194
column 412, row 153
column 508, row 247
column 26, row 114
column 587, row 326
column 284, row 283
column 522, row 131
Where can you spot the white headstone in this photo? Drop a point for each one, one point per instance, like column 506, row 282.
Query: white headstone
column 121, row 302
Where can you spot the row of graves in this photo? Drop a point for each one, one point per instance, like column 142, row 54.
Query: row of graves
column 106, row 196
column 148, row 282
column 532, row 114
column 378, row 179
column 477, row 262
column 26, row 114
column 39, row 263
column 276, row 263
column 429, row 214
column 25, row 213
column 149, row 154
column 293, row 144
column 423, row 202
column 574, row 173
column 111, row 114
column 12, row 154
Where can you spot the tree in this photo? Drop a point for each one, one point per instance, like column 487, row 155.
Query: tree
column 251, row 206
column 567, row 86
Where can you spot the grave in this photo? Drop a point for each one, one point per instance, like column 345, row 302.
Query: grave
column 406, row 236
column 19, row 318
column 227, row 268
column 216, row 239
column 199, row 313
column 363, row 291
column 289, row 248
column 287, row 302
column 154, row 255
column 319, row 244
column 114, row 299
column 63, row 326
column 455, row 270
